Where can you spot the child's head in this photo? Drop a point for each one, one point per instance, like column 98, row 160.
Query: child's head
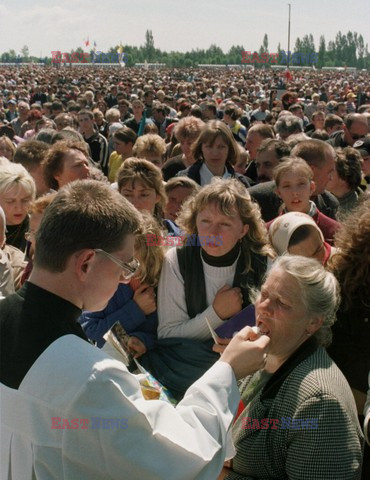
column 294, row 184
column 307, row 241
column 150, row 254
column 141, row 183
column 242, row 161
column 37, row 209
column 178, row 189
column 124, row 139
column 151, row 147
column 297, row 233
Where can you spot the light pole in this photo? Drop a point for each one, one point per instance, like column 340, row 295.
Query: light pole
column 289, row 38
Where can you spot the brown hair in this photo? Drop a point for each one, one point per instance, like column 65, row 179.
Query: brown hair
column 139, row 169
column 348, row 166
column 314, row 152
column 188, row 127
column 210, row 132
column 150, row 256
column 31, row 153
column 351, row 262
column 264, row 131
column 55, row 157
column 40, row 204
column 5, row 139
column 149, row 143
column 332, row 120
column 125, row 134
column 184, row 182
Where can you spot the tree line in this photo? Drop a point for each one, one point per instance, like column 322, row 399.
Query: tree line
column 344, row 51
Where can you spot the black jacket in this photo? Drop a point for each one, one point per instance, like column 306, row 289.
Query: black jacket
column 337, row 140
column 193, row 172
column 264, row 194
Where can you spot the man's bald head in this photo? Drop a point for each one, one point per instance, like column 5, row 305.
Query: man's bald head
column 355, row 127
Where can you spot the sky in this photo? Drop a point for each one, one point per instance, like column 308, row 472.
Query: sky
column 47, row 25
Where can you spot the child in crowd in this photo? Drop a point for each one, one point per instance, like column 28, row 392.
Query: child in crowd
column 140, row 181
column 36, row 213
column 123, row 139
column 294, row 185
column 298, row 234
column 133, row 304
column 151, row 147
column 178, row 189
column 7, row 148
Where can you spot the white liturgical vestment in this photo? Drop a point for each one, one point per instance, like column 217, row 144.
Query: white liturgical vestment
column 72, row 384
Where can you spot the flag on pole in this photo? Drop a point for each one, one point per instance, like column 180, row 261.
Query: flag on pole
column 121, row 55
column 94, row 46
column 87, row 42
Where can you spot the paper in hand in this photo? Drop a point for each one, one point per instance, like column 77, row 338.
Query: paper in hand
column 244, row 318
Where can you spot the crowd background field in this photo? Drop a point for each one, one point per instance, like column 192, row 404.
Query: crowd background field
column 251, row 165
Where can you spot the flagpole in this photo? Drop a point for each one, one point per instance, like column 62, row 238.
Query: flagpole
column 288, row 38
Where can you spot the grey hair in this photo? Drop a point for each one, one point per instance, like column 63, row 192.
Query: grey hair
column 288, row 125
column 319, row 288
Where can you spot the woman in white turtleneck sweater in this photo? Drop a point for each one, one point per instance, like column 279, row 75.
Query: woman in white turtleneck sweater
column 213, row 277
column 224, row 257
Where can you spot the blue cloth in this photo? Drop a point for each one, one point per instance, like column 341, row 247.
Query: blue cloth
column 122, row 308
column 172, row 228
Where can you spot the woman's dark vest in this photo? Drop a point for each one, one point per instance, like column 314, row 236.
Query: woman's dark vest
column 191, row 269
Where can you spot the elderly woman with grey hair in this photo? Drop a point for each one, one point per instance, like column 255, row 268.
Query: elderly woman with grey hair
column 299, row 419
column 288, row 125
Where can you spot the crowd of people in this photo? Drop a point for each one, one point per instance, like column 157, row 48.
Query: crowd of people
column 170, row 201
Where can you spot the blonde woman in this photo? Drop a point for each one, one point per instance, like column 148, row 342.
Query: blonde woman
column 17, row 191
column 210, row 277
column 7, row 148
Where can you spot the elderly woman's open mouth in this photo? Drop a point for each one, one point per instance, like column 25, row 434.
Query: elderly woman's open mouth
column 263, row 330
